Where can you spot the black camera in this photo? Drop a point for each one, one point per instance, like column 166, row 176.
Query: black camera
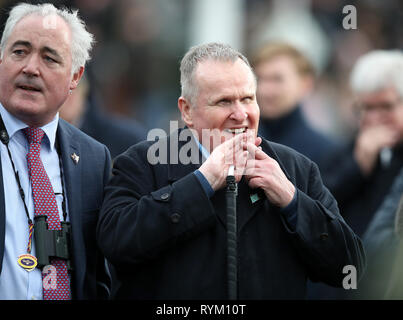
column 52, row 243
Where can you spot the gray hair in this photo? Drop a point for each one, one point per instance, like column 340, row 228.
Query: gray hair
column 82, row 40
column 195, row 55
column 377, row 70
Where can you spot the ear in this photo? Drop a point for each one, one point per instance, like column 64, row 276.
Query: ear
column 76, row 78
column 186, row 111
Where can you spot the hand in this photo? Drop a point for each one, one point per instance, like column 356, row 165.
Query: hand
column 231, row 152
column 264, row 172
column 369, row 143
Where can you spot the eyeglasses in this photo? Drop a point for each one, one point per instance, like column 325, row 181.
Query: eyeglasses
column 385, row 107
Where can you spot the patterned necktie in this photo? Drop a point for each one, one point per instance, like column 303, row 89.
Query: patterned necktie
column 55, row 279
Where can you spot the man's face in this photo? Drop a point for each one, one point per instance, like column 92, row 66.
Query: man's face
column 381, row 108
column 226, row 101
column 35, row 71
column 280, row 86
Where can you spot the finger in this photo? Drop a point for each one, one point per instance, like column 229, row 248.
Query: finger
column 240, row 165
column 255, row 152
column 258, row 141
column 255, row 182
column 236, row 147
column 229, row 148
column 253, row 168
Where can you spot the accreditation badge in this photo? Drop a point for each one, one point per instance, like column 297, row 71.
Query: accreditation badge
column 27, row 261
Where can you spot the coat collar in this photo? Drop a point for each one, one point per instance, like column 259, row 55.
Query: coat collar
column 182, row 140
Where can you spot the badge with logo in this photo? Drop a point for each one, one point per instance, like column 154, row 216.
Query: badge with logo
column 27, row 261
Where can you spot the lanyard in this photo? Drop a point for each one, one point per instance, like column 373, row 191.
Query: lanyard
column 5, row 140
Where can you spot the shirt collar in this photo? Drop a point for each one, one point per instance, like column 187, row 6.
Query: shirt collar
column 202, row 149
column 13, row 125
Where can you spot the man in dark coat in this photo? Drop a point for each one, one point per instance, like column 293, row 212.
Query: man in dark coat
column 163, row 222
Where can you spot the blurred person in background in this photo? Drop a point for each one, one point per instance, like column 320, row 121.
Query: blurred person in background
column 383, row 240
column 361, row 173
column 83, row 109
column 285, row 79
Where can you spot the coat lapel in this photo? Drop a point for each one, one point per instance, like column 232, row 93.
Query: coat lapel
column 72, row 170
column 256, row 198
column 248, row 202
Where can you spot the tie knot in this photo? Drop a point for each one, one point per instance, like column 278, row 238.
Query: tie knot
column 34, row 135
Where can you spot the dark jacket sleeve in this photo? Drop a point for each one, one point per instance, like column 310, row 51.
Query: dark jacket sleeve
column 139, row 219
column 324, row 241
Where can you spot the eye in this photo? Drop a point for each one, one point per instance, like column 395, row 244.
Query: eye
column 224, row 102
column 50, row 59
column 18, row 52
column 247, row 99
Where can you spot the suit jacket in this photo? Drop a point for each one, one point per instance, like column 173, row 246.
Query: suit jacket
column 84, row 183
column 167, row 240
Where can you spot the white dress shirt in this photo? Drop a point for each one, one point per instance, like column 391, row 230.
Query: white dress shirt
column 15, row 282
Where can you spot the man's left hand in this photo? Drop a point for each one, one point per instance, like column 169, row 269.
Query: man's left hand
column 264, row 172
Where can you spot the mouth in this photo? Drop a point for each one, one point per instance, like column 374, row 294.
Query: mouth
column 29, row 88
column 236, row 130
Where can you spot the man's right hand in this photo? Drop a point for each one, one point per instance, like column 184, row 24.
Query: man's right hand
column 369, row 143
column 231, row 152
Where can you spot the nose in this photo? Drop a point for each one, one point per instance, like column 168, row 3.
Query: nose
column 31, row 67
column 238, row 112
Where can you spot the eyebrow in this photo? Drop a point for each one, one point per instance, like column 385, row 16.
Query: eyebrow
column 21, row 43
column 231, row 96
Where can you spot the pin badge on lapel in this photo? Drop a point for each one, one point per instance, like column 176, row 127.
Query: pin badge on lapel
column 75, row 158
column 254, row 197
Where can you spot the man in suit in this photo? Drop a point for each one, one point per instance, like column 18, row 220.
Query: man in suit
column 163, row 223
column 48, row 167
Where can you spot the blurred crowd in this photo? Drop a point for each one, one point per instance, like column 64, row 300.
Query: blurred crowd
column 135, row 62
column 305, row 76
